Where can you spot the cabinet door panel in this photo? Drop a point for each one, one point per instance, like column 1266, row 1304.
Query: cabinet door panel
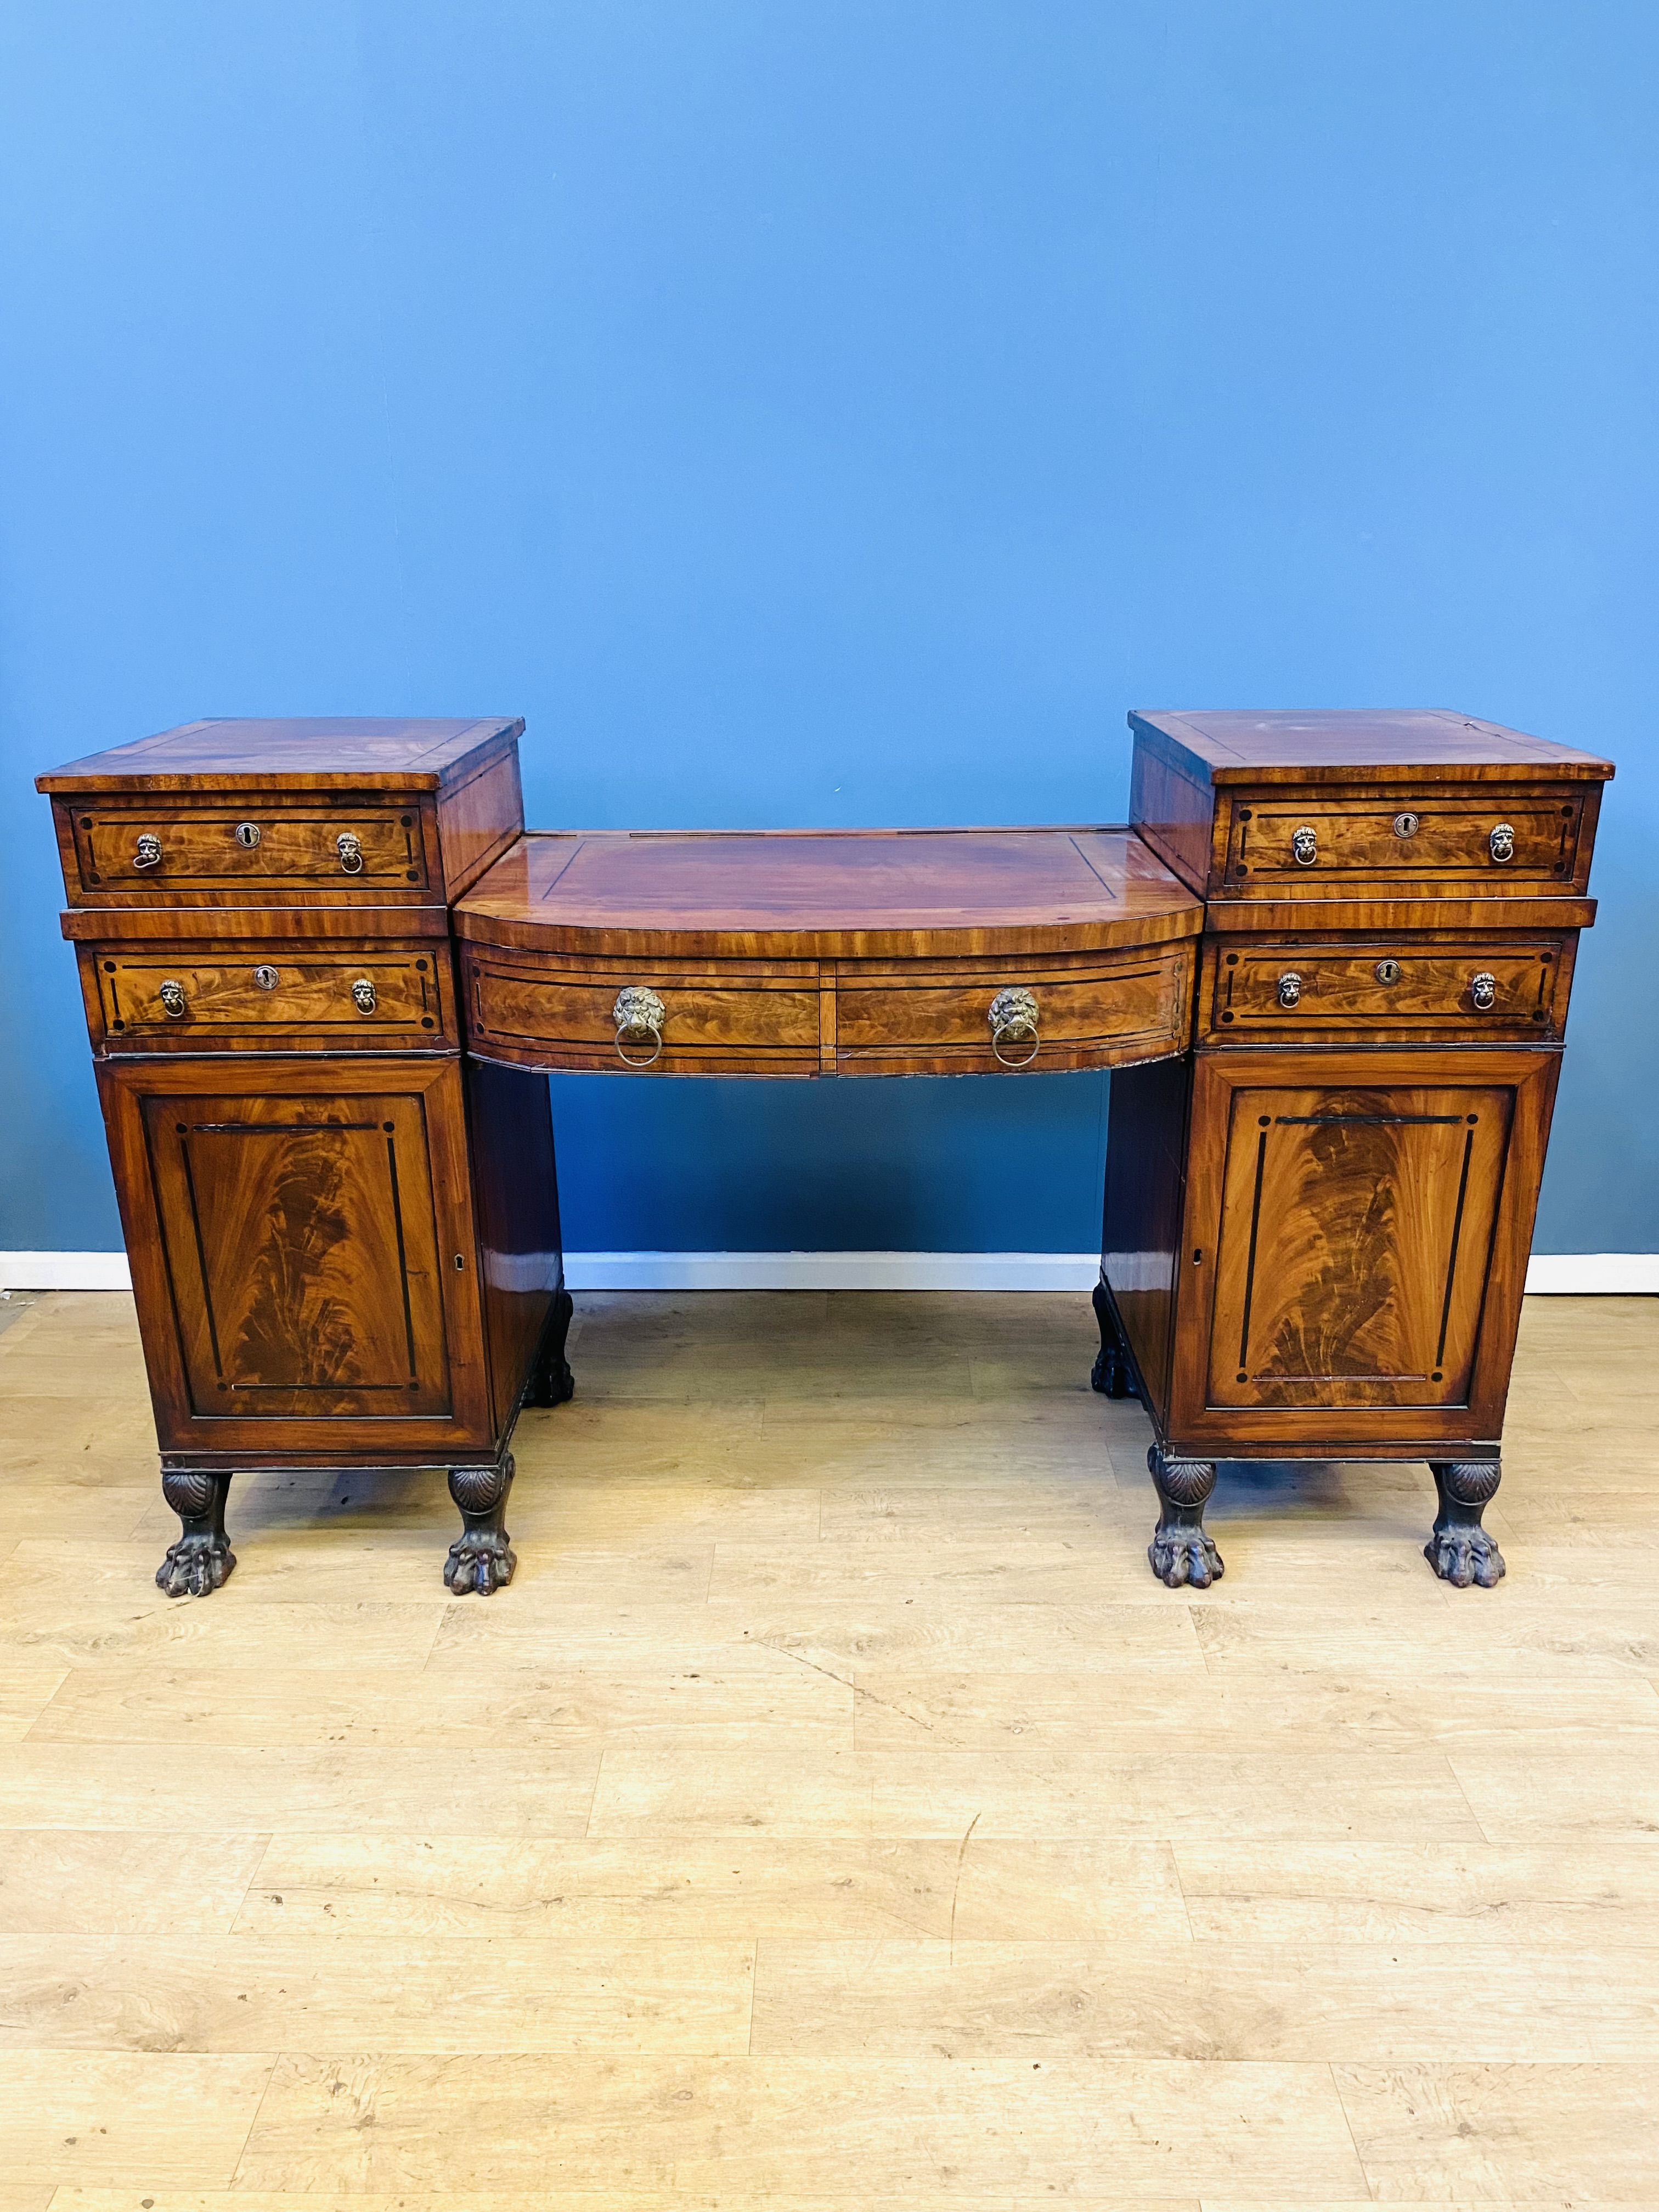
column 1355, row 1227
column 1355, row 1246
column 302, row 1247
column 303, row 1252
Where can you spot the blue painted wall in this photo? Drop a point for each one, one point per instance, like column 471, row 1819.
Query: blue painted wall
column 832, row 412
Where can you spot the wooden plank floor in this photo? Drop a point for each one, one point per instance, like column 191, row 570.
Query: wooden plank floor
column 833, row 1812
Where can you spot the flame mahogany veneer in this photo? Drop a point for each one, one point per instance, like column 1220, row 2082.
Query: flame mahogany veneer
column 1329, row 960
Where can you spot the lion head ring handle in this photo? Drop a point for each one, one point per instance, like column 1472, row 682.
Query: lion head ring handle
column 1013, row 1018
column 639, row 1014
column 147, row 853
column 1483, row 989
column 350, row 847
column 1500, row 843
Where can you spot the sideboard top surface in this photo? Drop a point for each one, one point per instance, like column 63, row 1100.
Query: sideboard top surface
column 319, row 753
column 817, row 894
column 1340, row 745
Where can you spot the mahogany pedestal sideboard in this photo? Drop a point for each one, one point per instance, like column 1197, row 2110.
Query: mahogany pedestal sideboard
column 324, row 966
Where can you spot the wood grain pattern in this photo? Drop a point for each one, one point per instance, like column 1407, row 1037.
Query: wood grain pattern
column 1125, row 1006
column 1356, row 745
column 1341, row 998
column 755, row 1017
column 323, row 752
column 295, row 1236
column 1355, row 1246
column 309, row 1007
column 808, row 895
column 1356, row 845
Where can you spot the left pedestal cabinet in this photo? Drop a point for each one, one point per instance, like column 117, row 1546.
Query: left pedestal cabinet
column 344, row 1238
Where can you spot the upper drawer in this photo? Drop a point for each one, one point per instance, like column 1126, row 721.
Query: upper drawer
column 267, row 997
column 128, row 850
column 1437, row 842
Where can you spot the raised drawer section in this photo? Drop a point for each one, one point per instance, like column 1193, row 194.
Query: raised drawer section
column 1089, row 1011
column 135, row 850
column 735, row 1017
column 1463, row 843
column 1458, row 989
column 286, row 997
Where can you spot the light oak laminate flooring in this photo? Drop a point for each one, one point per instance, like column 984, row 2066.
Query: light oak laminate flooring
column 833, row 1812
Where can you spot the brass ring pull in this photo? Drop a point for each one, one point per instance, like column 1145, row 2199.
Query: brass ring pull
column 147, row 853
column 1483, row 989
column 1501, row 843
column 351, row 851
column 362, row 995
column 1014, row 1014
column 171, row 996
column 1290, row 990
column 638, row 1013
column 1304, row 846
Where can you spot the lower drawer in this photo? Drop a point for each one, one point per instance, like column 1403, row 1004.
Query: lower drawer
column 1457, row 989
column 287, row 997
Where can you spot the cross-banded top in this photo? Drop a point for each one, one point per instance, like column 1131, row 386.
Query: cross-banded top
column 829, row 893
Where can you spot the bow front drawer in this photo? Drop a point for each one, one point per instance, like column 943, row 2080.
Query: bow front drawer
column 1455, row 989
column 1089, row 1011
column 129, row 850
column 674, row 1017
column 292, row 996
column 1474, row 844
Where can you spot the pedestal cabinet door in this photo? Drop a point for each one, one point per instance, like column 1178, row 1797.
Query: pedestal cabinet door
column 303, row 1248
column 1358, row 1225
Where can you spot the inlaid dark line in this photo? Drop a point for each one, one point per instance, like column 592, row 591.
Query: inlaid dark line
column 1249, row 1268
column 271, row 1129
column 1451, row 1259
column 403, row 1257
column 1370, row 1120
column 201, row 1258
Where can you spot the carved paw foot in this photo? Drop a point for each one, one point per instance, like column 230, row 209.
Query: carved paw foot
column 1462, row 1556
column 202, row 1561
column 1183, row 1557
column 551, row 1383
column 195, row 1567
column 481, row 1558
column 1460, row 1551
column 1110, row 1373
column 550, row 1379
column 481, row 1562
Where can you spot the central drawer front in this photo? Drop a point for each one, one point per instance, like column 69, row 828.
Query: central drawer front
column 1440, row 842
column 1456, row 989
column 1097, row 1011
column 285, row 997
column 731, row 1019
column 145, row 850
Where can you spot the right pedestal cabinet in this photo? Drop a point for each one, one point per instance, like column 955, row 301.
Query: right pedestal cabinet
column 1317, row 1223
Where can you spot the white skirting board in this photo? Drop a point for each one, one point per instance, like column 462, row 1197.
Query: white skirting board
column 1561, row 1274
